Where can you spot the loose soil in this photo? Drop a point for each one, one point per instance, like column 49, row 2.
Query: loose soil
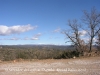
column 77, row 66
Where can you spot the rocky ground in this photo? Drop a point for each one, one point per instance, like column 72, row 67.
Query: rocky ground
column 77, row 66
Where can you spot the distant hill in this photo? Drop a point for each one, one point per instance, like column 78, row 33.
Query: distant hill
column 59, row 47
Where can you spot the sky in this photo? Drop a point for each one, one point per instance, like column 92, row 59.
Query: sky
column 39, row 21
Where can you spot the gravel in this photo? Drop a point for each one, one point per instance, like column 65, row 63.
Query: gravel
column 78, row 66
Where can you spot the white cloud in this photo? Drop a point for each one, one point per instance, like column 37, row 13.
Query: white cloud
column 95, row 39
column 26, row 38
column 82, row 33
column 36, row 37
column 5, row 30
column 57, row 30
column 14, row 38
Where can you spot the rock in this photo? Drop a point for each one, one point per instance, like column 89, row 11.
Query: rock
column 74, row 57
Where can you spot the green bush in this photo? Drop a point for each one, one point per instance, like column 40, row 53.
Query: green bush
column 68, row 54
column 7, row 54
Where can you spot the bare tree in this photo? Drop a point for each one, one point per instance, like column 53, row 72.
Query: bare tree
column 74, row 35
column 92, row 23
column 98, row 41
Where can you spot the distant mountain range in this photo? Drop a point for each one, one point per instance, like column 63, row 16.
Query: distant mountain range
column 40, row 46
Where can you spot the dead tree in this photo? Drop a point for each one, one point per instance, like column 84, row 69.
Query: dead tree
column 98, row 42
column 74, row 35
column 92, row 25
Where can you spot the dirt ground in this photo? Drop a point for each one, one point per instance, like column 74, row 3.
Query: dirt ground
column 78, row 66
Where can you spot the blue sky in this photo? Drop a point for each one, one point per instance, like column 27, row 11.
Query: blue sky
column 39, row 21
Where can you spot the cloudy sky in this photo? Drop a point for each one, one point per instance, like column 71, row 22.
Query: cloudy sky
column 39, row 21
